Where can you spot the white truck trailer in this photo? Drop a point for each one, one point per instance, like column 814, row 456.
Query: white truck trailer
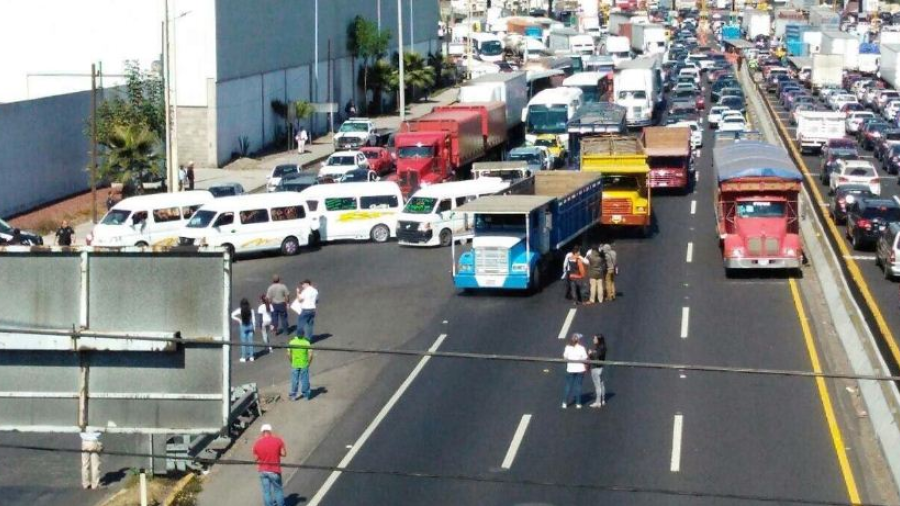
column 510, row 88
column 756, row 23
column 648, row 38
column 834, row 42
column 827, row 70
column 638, row 88
column 890, row 64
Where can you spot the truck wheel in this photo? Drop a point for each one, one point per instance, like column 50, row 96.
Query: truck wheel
column 536, row 283
column 380, row 233
column 290, row 246
column 854, row 241
column 445, row 237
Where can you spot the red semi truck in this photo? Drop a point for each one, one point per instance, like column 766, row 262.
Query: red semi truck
column 668, row 152
column 436, row 147
column 757, row 206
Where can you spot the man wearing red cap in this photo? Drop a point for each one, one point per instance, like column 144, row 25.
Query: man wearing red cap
column 268, row 450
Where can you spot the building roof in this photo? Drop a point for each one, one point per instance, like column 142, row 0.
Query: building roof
column 506, row 204
column 753, row 159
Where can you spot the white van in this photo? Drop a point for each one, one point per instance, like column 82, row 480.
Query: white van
column 355, row 210
column 430, row 217
column 250, row 223
column 147, row 220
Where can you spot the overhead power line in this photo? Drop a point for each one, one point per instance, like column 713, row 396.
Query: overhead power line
column 628, row 364
column 492, row 480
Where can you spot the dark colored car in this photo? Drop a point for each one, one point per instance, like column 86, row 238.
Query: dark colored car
column 852, row 106
column 774, row 80
column 889, row 138
column 297, row 182
column 25, row 238
column 870, row 133
column 726, row 85
column 685, row 96
column 734, row 103
column 788, row 94
column 220, row 190
column 867, row 218
column 891, row 160
column 844, row 197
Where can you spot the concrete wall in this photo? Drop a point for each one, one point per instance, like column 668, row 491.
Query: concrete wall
column 253, row 69
column 43, row 151
column 193, row 135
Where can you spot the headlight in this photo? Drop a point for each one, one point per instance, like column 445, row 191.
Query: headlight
column 790, row 252
column 466, row 267
column 737, row 252
column 201, row 241
column 519, row 267
column 640, row 209
column 424, row 227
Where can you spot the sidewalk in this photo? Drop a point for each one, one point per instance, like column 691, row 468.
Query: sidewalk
column 251, row 173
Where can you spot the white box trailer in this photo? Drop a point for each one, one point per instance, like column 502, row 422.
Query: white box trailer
column 510, row 88
column 834, row 42
column 813, row 40
column 648, row 38
column 756, row 23
column 886, row 37
column 816, row 128
column 890, row 64
column 827, row 70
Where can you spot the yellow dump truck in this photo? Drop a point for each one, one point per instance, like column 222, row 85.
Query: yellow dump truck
column 626, row 174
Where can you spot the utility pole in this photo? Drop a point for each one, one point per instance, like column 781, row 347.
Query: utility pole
column 412, row 38
column 402, row 84
column 94, row 143
column 171, row 179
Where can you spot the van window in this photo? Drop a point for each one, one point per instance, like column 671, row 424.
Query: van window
column 224, row 220
column 313, row 205
column 444, row 206
column 116, row 217
column 189, row 211
column 340, row 204
column 462, row 200
column 167, row 214
column 254, row 216
column 288, row 213
column 379, row 202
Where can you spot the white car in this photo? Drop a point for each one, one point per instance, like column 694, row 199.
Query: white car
column 855, row 119
column 692, row 73
column 696, row 132
column 855, row 172
column 279, row 172
column 733, row 123
column 838, row 100
column 715, row 114
column 731, row 113
column 338, row 164
column 890, row 110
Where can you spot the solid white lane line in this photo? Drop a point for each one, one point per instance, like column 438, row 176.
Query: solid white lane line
column 675, row 465
column 566, row 324
column 860, row 257
column 516, row 442
column 333, row 477
column 685, row 319
column 693, row 207
column 690, row 253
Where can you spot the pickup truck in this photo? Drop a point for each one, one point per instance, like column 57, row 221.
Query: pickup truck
column 356, row 133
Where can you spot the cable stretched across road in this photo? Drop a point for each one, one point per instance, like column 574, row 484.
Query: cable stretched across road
column 471, row 478
column 627, row 364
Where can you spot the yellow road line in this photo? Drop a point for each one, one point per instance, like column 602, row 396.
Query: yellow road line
column 852, row 265
column 836, row 438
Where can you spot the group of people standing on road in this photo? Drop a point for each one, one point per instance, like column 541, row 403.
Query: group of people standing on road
column 578, row 360
column 599, row 267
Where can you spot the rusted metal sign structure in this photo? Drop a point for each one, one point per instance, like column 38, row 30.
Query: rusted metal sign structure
column 71, row 356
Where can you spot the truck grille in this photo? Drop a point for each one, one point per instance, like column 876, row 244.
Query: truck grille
column 773, row 246
column 491, row 261
column 665, row 180
column 636, row 111
column 616, row 206
column 768, row 246
column 349, row 142
column 754, row 245
column 408, row 231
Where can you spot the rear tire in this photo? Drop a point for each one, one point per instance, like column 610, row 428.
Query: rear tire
column 445, row 237
column 290, row 246
column 536, row 283
column 380, row 233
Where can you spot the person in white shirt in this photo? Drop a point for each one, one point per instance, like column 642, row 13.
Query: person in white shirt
column 90, row 459
column 305, row 307
column 264, row 318
column 246, row 318
column 576, row 354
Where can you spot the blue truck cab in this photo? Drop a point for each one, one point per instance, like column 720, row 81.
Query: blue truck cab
column 517, row 238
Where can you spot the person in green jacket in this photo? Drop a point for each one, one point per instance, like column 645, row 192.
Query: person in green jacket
column 301, row 355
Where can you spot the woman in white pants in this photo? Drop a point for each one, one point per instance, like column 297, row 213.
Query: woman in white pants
column 598, row 352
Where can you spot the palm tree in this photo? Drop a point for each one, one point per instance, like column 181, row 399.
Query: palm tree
column 130, row 155
column 378, row 78
column 416, row 74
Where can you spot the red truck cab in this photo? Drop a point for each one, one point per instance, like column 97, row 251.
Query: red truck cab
column 422, row 160
column 757, row 207
column 668, row 152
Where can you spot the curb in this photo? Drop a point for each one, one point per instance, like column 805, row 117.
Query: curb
column 182, row 483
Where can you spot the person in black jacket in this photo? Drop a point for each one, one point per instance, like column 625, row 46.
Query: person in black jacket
column 598, row 352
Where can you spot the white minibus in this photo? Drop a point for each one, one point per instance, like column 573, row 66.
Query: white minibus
column 147, row 220
column 356, row 211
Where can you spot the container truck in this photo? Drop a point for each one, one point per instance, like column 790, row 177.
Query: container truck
column 648, row 38
column 816, row 128
column 567, row 41
column 827, row 70
column 618, row 48
column 622, row 161
column 834, row 42
column 508, row 87
column 890, row 64
column 444, row 143
column 756, row 23
column 757, row 206
column 813, row 40
column 668, row 152
column 519, row 239
column 638, row 88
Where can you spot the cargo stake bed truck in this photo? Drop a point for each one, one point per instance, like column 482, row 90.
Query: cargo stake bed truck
column 669, row 156
column 757, row 206
column 626, row 193
column 816, row 128
column 518, row 239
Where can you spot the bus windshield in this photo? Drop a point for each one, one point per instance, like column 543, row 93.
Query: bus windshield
column 547, row 119
column 491, row 48
column 760, row 209
column 590, row 93
column 618, row 182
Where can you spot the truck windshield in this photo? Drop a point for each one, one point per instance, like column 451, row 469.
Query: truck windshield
column 354, row 127
column 633, row 95
column 617, row 182
column 760, row 209
column 116, row 217
column 500, row 223
column 420, row 205
column 547, row 119
column 590, row 93
column 201, row 219
column 4, row 227
column 491, row 48
column 525, row 157
column 415, row 152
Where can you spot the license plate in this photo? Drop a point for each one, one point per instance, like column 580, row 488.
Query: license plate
column 617, row 218
column 663, row 184
column 764, row 261
column 492, row 282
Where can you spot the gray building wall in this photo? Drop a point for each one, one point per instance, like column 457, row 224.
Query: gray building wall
column 43, row 151
column 266, row 51
column 193, row 136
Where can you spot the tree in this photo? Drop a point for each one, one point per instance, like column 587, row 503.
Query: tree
column 131, row 155
column 416, row 74
column 143, row 104
column 377, row 79
column 303, row 109
column 367, row 42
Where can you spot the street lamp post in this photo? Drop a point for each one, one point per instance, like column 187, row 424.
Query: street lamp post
column 402, row 83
